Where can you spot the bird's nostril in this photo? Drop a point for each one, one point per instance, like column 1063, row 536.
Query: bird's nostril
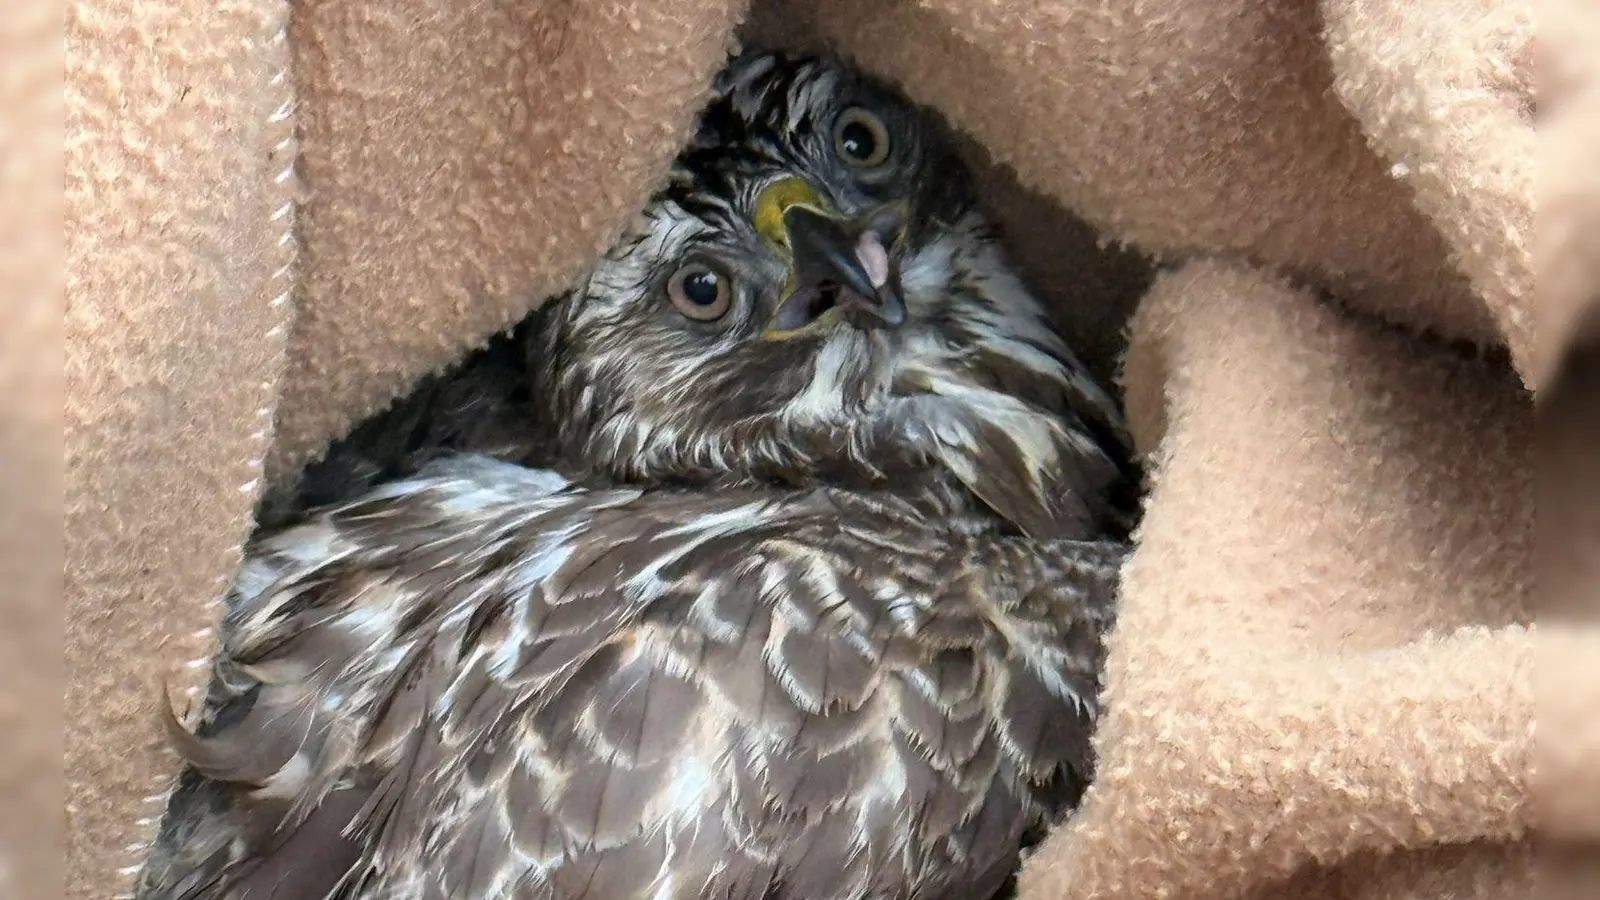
column 827, row 297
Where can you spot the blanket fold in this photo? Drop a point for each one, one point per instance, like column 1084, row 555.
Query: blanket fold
column 1464, row 118
column 1263, row 712
column 1191, row 127
column 461, row 166
column 180, row 270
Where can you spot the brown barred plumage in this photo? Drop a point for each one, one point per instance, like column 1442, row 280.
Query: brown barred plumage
column 633, row 606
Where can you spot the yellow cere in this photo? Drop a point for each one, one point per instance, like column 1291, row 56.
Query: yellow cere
column 775, row 200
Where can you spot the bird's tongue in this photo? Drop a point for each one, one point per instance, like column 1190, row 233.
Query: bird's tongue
column 874, row 258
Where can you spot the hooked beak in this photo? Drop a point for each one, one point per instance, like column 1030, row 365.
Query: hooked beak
column 841, row 268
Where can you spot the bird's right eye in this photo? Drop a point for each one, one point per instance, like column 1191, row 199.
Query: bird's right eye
column 860, row 138
column 700, row 292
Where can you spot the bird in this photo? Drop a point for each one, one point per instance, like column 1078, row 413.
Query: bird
column 773, row 560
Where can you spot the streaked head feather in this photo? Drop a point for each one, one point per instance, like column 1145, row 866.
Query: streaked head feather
column 973, row 396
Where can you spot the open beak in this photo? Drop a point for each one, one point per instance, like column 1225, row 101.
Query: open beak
column 840, row 268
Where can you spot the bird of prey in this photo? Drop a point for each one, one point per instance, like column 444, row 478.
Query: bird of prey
column 773, row 561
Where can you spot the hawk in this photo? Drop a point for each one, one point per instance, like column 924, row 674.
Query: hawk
column 771, row 562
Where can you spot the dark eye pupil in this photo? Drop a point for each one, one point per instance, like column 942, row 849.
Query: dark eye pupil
column 856, row 139
column 700, row 288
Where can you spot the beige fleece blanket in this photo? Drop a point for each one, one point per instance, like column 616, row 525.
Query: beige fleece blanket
column 1323, row 683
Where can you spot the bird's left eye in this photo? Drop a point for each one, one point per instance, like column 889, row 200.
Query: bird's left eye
column 860, row 138
column 700, row 292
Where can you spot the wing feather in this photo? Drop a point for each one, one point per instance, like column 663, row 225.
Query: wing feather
column 490, row 683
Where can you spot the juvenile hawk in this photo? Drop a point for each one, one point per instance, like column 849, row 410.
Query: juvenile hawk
column 804, row 599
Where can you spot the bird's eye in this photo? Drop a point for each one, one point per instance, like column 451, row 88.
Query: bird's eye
column 700, row 292
column 860, row 138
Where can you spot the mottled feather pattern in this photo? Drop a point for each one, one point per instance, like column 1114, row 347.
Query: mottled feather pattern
column 577, row 685
column 630, row 605
column 977, row 386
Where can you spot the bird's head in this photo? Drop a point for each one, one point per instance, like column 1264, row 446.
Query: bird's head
column 813, row 296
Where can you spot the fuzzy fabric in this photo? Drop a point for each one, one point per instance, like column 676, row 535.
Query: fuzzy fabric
column 1323, row 682
column 30, row 443
column 180, row 278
